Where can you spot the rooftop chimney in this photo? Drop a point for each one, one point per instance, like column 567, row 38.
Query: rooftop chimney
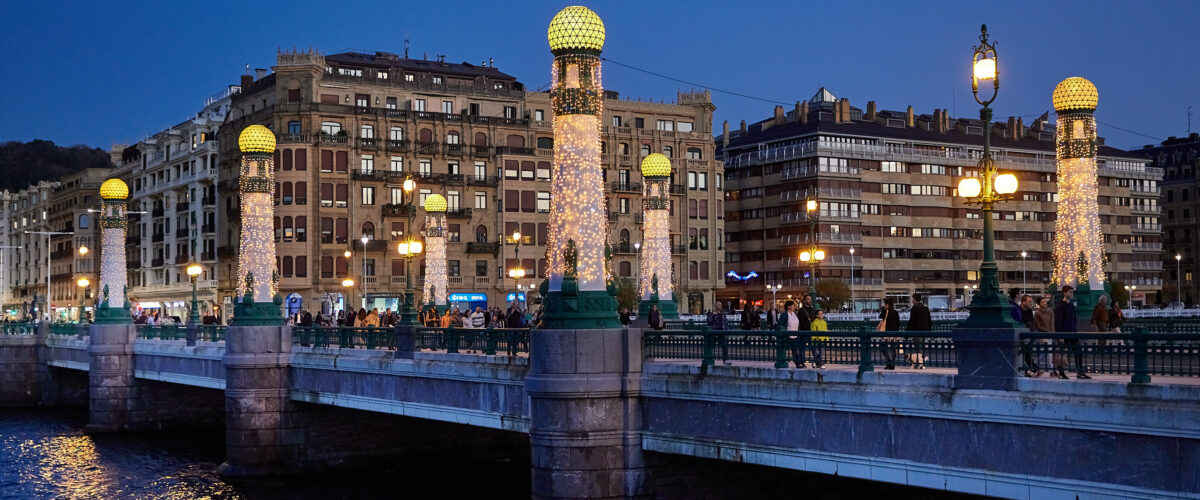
column 797, row 112
column 742, row 128
column 259, row 73
column 1020, row 129
column 1012, row 127
column 909, row 120
column 725, row 133
column 804, row 113
column 870, row 111
column 780, row 118
column 247, row 80
column 841, row 111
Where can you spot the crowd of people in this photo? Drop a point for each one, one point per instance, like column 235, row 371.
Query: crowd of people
column 1035, row 313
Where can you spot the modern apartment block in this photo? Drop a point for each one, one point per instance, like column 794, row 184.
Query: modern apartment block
column 1179, row 157
column 172, row 176
column 24, row 272
column 352, row 127
column 885, row 185
column 73, row 204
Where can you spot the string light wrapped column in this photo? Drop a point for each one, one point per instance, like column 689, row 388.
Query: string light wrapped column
column 257, row 278
column 576, row 295
column 113, row 307
column 436, row 279
column 655, row 280
column 1078, row 243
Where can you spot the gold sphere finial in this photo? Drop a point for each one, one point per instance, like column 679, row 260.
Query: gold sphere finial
column 114, row 189
column 656, row 165
column 256, row 139
column 1075, row 94
column 435, row 203
column 576, row 28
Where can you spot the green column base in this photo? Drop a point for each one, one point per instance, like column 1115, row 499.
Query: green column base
column 668, row 308
column 105, row 315
column 250, row 313
column 564, row 310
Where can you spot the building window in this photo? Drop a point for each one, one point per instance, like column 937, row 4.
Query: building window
column 448, row 107
column 539, row 115
column 437, row 80
column 543, row 202
column 368, row 164
column 368, row 195
column 683, row 126
column 645, row 149
column 480, row 200
column 453, row 268
column 453, row 233
column 331, row 128
column 481, row 268
column 510, row 112
column 893, row 167
column 422, row 194
column 396, row 164
column 616, row 121
column 545, row 143
column 425, row 168
column 623, row 205
column 419, row 105
column 453, row 200
column 396, row 134
column 452, row 137
column 367, row 132
column 293, row 127
column 695, row 154
column 639, row 123
column 665, row 125
column 83, row 221
column 480, row 171
column 391, row 103
column 668, row 151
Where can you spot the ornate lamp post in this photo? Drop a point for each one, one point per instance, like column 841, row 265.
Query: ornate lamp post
column 83, row 288
column 193, row 271
column 773, row 289
column 814, row 255
column 363, row 277
column 113, row 309
column 655, row 283
column 852, row 308
column 260, row 304
column 1179, row 279
column 407, row 249
column 576, row 294
column 988, row 310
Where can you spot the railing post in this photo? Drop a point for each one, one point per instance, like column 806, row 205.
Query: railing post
column 781, row 360
column 451, row 340
column 1170, row 324
column 865, row 362
column 489, row 348
column 345, row 337
column 1141, row 365
column 706, row 356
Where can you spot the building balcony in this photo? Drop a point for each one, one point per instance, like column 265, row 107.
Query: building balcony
column 678, row 189
column 458, row 213
column 333, row 140
column 624, row 248
column 208, row 228
column 181, row 259
column 481, row 151
column 158, row 262
column 625, row 187
column 395, row 210
column 368, row 143
column 181, row 232
column 157, row 212
column 208, row 256
column 1146, row 246
column 368, row 175
column 613, row 216
column 482, row 180
column 483, row 280
column 491, row 247
column 372, row 245
column 133, row 239
column 1147, row 228
column 510, row 150
column 294, row 139
column 208, row 201
column 158, row 237
column 61, row 254
column 1147, row 265
column 678, row 249
column 227, row 251
column 133, row 264
column 398, row 146
column 181, row 206
column 454, row 149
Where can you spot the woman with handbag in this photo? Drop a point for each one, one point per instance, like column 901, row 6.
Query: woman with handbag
column 889, row 321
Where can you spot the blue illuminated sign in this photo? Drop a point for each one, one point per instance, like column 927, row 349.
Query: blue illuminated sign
column 468, row 297
column 516, row 296
column 736, row 276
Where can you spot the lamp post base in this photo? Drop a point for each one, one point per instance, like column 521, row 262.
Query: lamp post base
column 569, row 309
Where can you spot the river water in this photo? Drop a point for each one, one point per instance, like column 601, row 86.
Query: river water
column 45, row 454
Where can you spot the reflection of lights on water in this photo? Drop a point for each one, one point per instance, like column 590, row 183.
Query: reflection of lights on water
column 71, row 464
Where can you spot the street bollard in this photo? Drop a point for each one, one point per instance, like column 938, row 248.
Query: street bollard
column 1141, row 365
column 780, row 348
column 865, row 363
column 706, row 357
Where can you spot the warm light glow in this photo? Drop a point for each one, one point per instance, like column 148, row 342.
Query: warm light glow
column 114, row 189
column 83, row 250
column 194, row 270
column 656, row 165
column 851, row 250
column 435, row 203
column 576, row 28
column 1075, row 94
column 437, row 278
column 1023, row 254
column 347, row 282
column 516, row 236
column 1006, row 184
column 811, row 205
column 414, row 247
column 256, row 251
column 409, row 185
column 1177, row 256
column 346, row 254
column 805, row 256
column 516, row 273
column 83, row 282
column 256, row 139
column 819, row 255
column 969, row 187
column 985, row 69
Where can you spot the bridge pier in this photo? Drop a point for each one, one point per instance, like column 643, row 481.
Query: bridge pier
column 585, row 414
column 258, row 440
column 112, row 388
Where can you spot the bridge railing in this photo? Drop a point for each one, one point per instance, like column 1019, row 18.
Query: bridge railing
column 209, row 333
column 489, row 341
column 23, row 328
column 68, row 329
column 345, row 337
column 1138, row 353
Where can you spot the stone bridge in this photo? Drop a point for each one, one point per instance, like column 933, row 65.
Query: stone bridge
column 595, row 412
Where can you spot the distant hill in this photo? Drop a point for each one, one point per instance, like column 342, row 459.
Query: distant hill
column 25, row 163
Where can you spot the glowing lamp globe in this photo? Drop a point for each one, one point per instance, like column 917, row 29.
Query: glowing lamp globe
column 194, row 270
column 83, row 282
column 985, row 69
column 576, row 28
column 1006, row 184
column 83, row 250
column 1075, row 94
column 819, row 255
column 435, row 203
column 256, row 139
column 656, row 165
column 811, row 205
column 969, row 187
column 805, row 256
column 114, row 189
column 347, row 282
column 409, row 185
column 413, row 247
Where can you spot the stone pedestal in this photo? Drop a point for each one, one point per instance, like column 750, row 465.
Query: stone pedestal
column 585, row 414
column 112, row 392
column 988, row 358
column 258, row 439
column 406, row 336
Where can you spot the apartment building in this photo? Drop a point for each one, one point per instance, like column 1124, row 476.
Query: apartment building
column 25, row 255
column 174, row 219
column 885, row 185
column 352, row 127
column 1179, row 157
column 73, row 206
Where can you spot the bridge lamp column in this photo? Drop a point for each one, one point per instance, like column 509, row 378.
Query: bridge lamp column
column 258, row 281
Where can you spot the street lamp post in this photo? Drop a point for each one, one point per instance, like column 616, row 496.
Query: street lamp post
column 1178, row 279
column 814, row 255
column 518, row 272
column 1024, row 254
column 852, row 308
column 193, row 272
column 774, row 289
column 987, row 309
column 364, row 241
column 83, row 287
column 48, row 234
column 408, row 249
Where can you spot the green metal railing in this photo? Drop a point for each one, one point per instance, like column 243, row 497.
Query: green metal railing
column 25, row 328
column 452, row 340
column 1139, row 353
column 68, row 329
column 1164, row 325
column 864, row 348
column 162, row 332
column 344, row 337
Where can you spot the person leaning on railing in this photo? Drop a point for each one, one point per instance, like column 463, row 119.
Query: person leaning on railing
column 919, row 320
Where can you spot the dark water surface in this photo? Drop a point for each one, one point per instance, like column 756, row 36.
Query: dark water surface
column 45, row 454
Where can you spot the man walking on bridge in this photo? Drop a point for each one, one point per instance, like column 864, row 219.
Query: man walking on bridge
column 1065, row 322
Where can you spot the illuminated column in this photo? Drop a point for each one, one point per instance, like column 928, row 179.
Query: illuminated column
column 436, row 280
column 113, row 277
column 256, row 258
column 655, row 281
column 576, row 293
column 1078, row 244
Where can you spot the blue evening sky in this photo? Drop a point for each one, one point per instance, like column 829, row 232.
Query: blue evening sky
column 99, row 73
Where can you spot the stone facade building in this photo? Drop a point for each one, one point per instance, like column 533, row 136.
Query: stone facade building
column 24, row 273
column 352, row 127
column 1179, row 157
column 172, row 176
column 885, row 184
column 72, row 207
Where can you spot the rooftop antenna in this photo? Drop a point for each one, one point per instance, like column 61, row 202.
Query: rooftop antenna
column 406, row 46
column 247, row 69
column 1189, row 120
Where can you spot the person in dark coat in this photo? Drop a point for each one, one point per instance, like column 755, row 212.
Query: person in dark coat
column 891, row 322
column 919, row 320
column 656, row 318
column 1065, row 321
column 718, row 322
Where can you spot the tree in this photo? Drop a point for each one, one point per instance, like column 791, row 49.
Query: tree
column 627, row 294
column 25, row 163
column 1118, row 293
column 834, row 292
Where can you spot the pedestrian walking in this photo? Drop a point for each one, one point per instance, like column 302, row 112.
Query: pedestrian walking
column 1043, row 322
column 1065, row 322
column 919, row 320
column 792, row 324
column 655, row 319
column 889, row 321
column 717, row 321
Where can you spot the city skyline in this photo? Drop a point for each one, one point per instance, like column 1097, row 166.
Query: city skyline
column 122, row 101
